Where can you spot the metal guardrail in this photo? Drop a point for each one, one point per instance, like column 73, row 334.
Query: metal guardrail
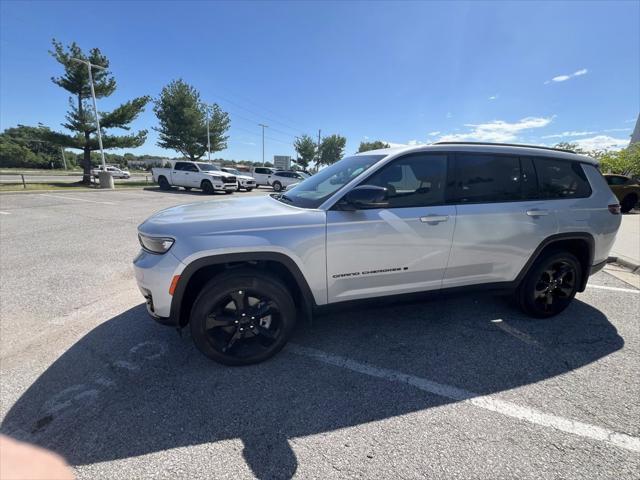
column 31, row 178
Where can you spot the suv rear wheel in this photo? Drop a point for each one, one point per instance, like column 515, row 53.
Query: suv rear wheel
column 628, row 203
column 277, row 186
column 550, row 285
column 242, row 317
column 164, row 184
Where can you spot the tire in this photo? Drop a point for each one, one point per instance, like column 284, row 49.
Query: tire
column 228, row 192
column 277, row 186
column 207, row 187
column 267, row 317
column 188, row 189
column 164, row 184
column 248, row 189
column 550, row 285
column 628, row 202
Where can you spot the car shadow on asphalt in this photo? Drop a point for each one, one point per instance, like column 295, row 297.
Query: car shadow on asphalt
column 131, row 387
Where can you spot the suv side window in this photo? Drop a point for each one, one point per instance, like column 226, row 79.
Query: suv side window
column 179, row 166
column 413, row 181
column 261, row 170
column 481, row 178
column 614, row 180
column 190, row 167
column 561, row 179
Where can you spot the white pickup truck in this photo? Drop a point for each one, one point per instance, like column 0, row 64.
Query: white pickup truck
column 188, row 175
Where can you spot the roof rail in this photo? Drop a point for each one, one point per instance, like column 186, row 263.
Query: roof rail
column 506, row 145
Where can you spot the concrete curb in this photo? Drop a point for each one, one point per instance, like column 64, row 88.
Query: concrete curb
column 629, row 263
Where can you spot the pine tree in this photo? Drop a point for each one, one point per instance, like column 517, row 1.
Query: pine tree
column 80, row 118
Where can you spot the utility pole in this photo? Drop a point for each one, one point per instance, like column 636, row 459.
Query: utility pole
column 318, row 150
column 263, row 127
column 208, row 136
column 108, row 181
column 64, row 160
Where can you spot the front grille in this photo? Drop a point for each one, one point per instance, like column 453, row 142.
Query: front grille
column 230, row 180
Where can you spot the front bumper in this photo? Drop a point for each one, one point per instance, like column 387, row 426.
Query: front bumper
column 153, row 275
column 248, row 184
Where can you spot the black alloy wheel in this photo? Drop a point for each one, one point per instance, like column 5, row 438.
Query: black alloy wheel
column 239, row 319
column 551, row 285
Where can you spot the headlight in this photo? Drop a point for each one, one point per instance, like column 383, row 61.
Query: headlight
column 216, row 178
column 155, row 244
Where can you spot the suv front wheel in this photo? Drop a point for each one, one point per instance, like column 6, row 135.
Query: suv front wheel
column 242, row 317
column 550, row 285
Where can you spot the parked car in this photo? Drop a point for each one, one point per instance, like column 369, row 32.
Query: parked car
column 114, row 171
column 190, row 175
column 534, row 222
column 283, row 178
column 261, row 174
column 626, row 189
column 246, row 182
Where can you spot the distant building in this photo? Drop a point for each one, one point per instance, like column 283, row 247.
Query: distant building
column 635, row 137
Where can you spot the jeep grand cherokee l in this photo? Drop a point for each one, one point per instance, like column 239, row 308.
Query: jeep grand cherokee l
column 241, row 272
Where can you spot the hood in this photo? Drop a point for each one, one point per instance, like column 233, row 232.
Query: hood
column 233, row 214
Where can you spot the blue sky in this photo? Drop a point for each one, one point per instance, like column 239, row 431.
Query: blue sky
column 539, row 72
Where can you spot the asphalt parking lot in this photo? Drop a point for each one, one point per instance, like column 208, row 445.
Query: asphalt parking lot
column 458, row 387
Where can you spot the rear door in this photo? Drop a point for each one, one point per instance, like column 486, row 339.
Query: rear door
column 500, row 219
column 178, row 176
column 399, row 249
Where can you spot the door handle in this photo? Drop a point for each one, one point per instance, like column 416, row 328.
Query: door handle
column 537, row 213
column 434, row 218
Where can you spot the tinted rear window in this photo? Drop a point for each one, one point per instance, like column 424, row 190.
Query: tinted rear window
column 561, row 179
column 486, row 178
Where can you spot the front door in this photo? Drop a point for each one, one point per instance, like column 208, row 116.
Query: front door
column 399, row 249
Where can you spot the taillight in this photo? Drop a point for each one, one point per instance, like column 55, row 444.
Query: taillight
column 614, row 208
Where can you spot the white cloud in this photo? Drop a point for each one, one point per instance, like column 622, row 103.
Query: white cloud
column 494, row 97
column 602, row 142
column 449, row 114
column 394, row 144
column 628, row 129
column 568, row 134
column 564, row 78
column 631, row 120
column 413, row 143
column 497, row 130
column 433, row 134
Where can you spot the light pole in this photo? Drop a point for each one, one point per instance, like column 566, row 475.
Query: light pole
column 105, row 178
column 263, row 127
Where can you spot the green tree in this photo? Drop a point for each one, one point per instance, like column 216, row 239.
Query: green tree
column 332, row 149
column 80, row 118
column 183, row 121
column 623, row 162
column 25, row 146
column 375, row 145
column 306, row 149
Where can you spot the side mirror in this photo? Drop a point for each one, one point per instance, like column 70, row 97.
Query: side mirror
column 366, row 196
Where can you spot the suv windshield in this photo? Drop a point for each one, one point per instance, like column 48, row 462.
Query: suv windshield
column 313, row 191
column 207, row 167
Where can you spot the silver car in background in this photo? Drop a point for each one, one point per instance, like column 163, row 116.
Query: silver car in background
column 530, row 221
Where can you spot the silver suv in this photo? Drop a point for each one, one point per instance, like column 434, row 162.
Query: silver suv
column 532, row 221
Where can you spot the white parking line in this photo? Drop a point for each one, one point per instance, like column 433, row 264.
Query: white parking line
column 5, row 213
column 485, row 402
column 78, row 199
column 615, row 289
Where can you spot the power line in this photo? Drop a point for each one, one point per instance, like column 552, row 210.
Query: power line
column 297, row 130
column 233, row 94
